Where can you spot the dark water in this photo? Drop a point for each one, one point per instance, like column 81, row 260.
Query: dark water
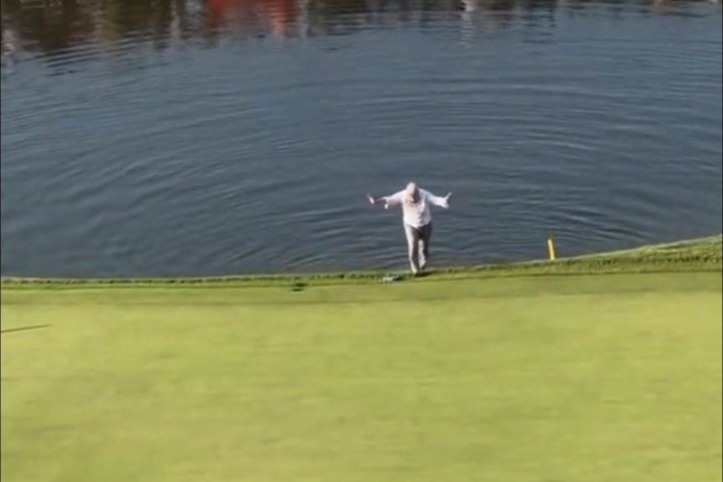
column 233, row 136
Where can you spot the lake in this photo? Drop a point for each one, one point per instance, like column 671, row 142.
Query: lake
column 220, row 137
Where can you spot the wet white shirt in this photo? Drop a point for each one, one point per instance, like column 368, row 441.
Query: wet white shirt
column 416, row 214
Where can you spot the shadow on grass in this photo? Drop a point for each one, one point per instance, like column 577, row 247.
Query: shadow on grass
column 24, row 328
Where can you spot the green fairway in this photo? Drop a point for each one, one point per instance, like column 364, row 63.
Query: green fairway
column 522, row 379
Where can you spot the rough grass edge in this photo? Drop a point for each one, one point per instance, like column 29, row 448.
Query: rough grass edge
column 698, row 255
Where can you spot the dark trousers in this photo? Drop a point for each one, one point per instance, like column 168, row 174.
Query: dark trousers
column 418, row 240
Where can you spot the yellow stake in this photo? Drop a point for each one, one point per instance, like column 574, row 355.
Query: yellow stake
column 551, row 247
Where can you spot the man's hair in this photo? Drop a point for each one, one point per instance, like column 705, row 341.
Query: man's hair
column 412, row 193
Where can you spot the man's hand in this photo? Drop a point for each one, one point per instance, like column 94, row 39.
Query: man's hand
column 446, row 199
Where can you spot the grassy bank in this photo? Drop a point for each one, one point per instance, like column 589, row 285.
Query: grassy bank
column 478, row 375
column 687, row 256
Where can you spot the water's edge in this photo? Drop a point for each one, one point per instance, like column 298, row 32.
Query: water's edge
column 697, row 255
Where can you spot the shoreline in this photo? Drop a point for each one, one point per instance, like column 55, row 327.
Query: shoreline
column 696, row 255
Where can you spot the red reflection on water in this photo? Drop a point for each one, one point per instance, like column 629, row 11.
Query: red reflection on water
column 280, row 14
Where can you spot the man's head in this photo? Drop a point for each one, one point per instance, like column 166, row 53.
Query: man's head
column 412, row 192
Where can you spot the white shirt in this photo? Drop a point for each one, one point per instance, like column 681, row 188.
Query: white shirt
column 416, row 214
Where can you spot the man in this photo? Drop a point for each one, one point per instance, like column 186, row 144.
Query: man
column 415, row 204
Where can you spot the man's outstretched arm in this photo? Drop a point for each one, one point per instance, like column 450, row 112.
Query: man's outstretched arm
column 389, row 201
column 438, row 200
